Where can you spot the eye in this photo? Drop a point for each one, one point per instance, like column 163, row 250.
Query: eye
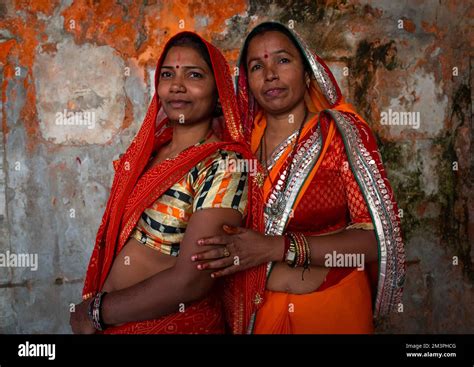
column 195, row 75
column 165, row 74
column 255, row 67
column 284, row 60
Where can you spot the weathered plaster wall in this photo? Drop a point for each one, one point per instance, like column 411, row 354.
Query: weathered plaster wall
column 99, row 56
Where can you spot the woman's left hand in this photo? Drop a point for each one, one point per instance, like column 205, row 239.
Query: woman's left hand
column 241, row 249
column 79, row 319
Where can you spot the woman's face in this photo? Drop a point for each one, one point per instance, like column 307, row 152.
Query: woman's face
column 187, row 88
column 275, row 72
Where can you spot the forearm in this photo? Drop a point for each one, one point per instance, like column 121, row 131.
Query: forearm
column 352, row 241
column 157, row 296
column 168, row 291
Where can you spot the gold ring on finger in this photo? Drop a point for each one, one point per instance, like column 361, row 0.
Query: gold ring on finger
column 226, row 252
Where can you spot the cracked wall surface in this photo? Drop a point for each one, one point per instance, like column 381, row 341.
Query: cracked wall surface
column 72, row 56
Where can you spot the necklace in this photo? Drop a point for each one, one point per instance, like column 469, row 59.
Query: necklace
column 276, row 204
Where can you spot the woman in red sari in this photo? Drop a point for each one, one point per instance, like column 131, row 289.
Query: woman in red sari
column 330, row 215
column 170, row 189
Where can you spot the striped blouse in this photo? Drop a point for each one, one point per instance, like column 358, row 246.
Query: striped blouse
column 207, row 185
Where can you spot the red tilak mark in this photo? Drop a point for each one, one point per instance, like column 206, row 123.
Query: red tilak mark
column 177, row 66
column 266, row 56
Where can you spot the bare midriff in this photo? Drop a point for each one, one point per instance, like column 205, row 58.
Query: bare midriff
column 289, row 280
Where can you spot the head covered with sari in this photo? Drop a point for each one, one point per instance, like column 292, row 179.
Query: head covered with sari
column 323, row 96
column 129, row 196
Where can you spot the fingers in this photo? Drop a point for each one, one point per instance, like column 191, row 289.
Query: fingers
column 217, row 264
column 216, row 253
column 221, row 240
column 215, row 240
column 227, row 271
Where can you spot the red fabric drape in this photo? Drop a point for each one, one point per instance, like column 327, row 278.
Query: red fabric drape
column 128, row 199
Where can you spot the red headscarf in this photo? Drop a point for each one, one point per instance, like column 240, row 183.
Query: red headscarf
column 129, row 197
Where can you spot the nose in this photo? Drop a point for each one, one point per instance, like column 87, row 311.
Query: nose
column 177, row 85
column 271, row 74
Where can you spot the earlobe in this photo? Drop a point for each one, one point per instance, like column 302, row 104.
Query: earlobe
column 218, row 109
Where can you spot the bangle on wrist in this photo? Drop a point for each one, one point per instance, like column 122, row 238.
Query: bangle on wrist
column 297, row 250
column 94, row 311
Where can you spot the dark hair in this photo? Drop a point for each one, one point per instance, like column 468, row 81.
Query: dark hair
column 272, row 27
column 187, row 40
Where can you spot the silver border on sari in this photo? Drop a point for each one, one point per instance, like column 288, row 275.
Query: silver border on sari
column 322, row 77
column 380, row 204
column 304, row 160
column 278, row 151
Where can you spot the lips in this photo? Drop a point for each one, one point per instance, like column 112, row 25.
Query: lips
column 274, row 92
column 178, row 103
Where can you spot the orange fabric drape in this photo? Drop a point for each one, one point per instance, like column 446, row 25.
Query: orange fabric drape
column 322, row 312
column 326, row 312
column 338, row 120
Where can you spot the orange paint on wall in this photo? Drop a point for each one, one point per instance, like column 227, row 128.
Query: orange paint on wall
column 44, row 6
column 140, row 30
column 232, row 56
column 22, row 54
column 8, row 73
column 135, row 31
column 408, row 25
column 104, row 22
column 128, row 118
column 27, row 32
column 5, row 50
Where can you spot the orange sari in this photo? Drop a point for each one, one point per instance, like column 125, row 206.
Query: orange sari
column 132, row 192
column 336, row 182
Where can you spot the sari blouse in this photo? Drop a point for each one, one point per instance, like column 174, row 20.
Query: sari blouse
column 207, row 185
column 333, row 200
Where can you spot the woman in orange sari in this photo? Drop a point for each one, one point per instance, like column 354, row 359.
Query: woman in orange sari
column 170, row 189
column 331, row 224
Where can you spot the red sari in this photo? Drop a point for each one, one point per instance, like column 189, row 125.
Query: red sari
column 336, row 182
column 132, row 192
